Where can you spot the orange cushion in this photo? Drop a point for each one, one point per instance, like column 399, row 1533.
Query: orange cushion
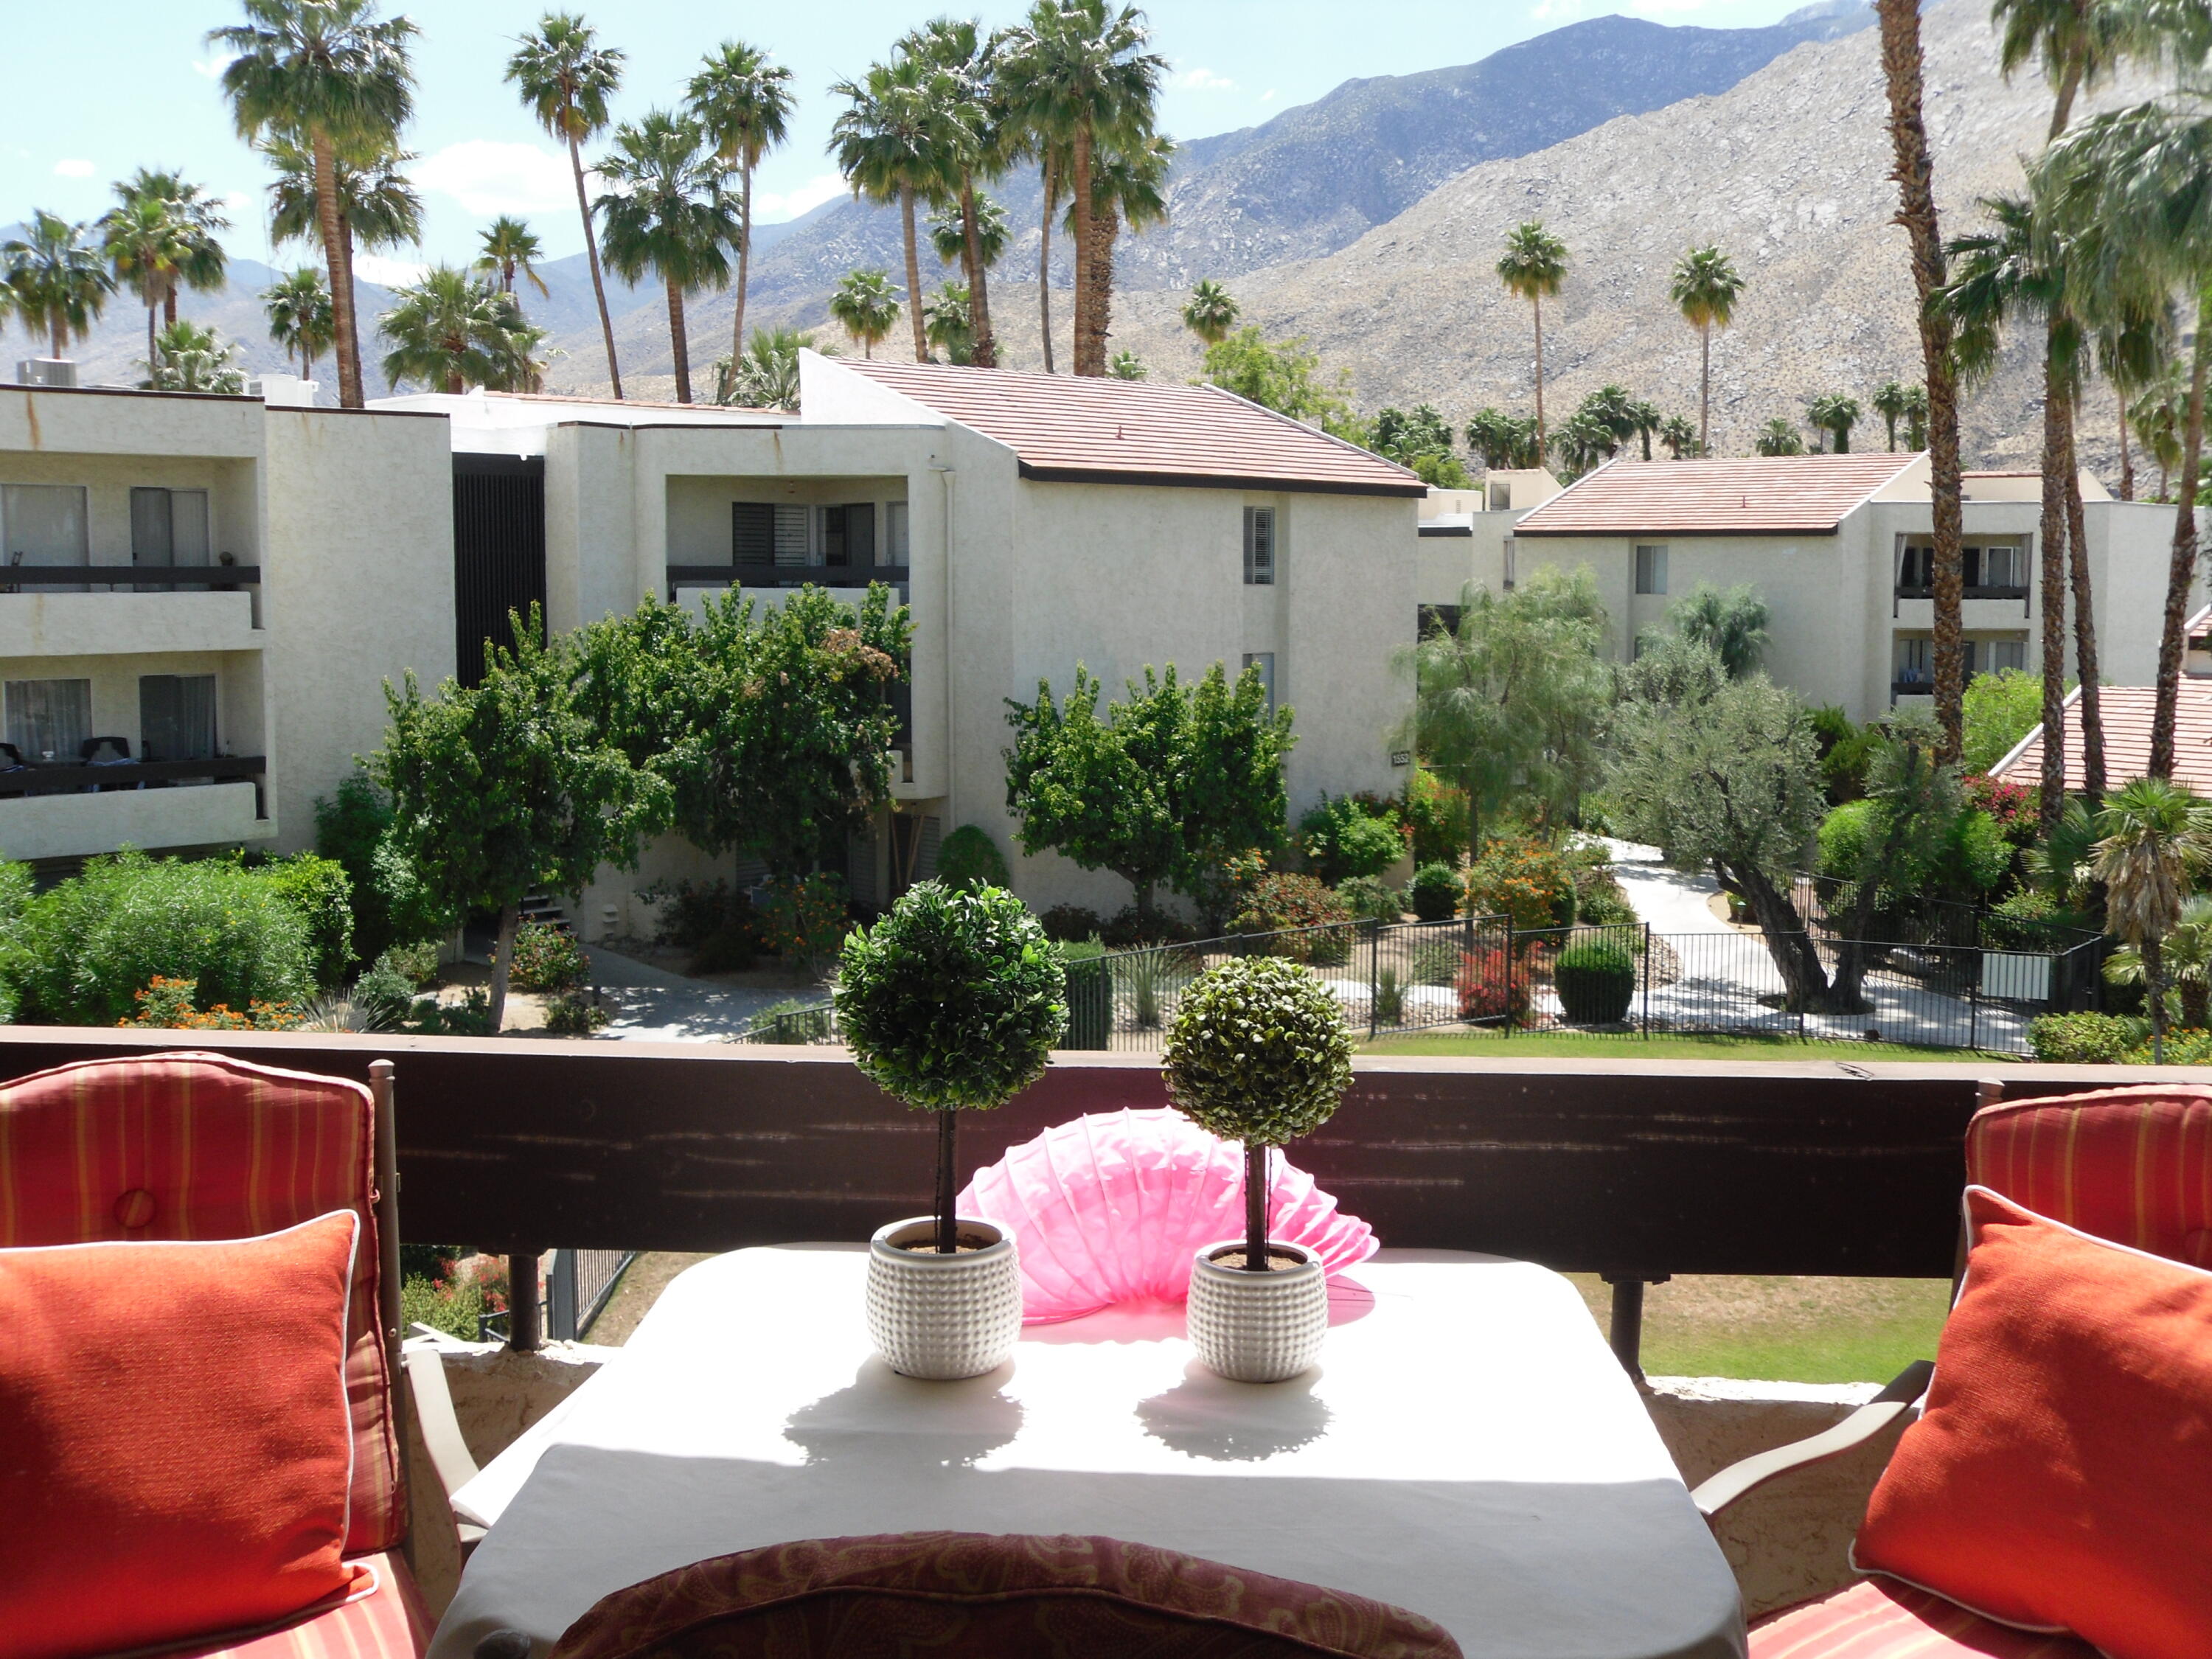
column 177, row 1447
column 2057, row 1479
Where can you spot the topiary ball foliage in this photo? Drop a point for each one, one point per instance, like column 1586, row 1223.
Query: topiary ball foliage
column 953, row 1000
column 1258, row 1052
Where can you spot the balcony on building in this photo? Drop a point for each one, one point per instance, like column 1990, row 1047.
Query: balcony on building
column 842, row 534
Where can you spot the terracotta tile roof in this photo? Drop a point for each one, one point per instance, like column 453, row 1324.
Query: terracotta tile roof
column 1080, row 429
column 1781, row 494
column 2127, row 712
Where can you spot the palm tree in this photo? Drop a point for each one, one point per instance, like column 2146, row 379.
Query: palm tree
column 950, row 325
column 453, row 330
column 1704, row 289
column 2154, row 840
column 1836, row 413
column 379, row 207
column 1898, row 25
column 1779, row 437
column 2185, row 955
column 1211, row 313
column 1679, row 435
column 743, row 98
column 1646, row 420
column 1128, row 187
column 1076, row 76
column 510, row 248
column 1052, row 174
column 189, row 358
column 767, row 376
column 1889, row 401
column 566, row 77
column 298, row 308
column 1915, row 418
column 56, row 282
column 866, row 304
column 2156, row 415
column 668, row 212
column 964, row 60
column 1127, row 366
column 1534, row 266
column 894, row 141
column 948, row 232
column 163, row 235
column 334, row 76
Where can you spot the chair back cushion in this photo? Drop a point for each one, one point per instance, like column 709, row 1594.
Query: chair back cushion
column 176, row 1446
column 2061, row 1476
column 195, row 1145
column 2133, row 1165
column 985, row 1596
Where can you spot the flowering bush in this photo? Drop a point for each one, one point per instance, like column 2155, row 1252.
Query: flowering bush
column 803, row 918
column 547, row 958
column 1341, row 838
column 1278, row 902
column 169, row 1003
column 1489, row 986
column 2013, row 806
column 1524, row 879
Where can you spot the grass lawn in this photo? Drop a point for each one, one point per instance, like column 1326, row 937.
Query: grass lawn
column 1783, row 1330
column 1568, row 1045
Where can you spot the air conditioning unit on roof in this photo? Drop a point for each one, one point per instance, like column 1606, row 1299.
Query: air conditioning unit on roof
column 46, row 371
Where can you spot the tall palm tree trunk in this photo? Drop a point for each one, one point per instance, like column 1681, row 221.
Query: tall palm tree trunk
column 984, row 354
column 2127, row 456
column 1537, row 301
column 1704, row 387
column 338, row 255
column 1105, row 229
column 913, row 275
column 679, row 343
column 592, row 253
column 1044, row 262
column 2051, row 591
column 1090, row 336
column 744, row 266
column 169, row 305
column 1914, row 170
column 149, row 339
column 2085, row 627
column 2181, row 569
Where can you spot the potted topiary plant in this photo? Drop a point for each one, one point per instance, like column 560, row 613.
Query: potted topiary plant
column 1597, row 981
column 1259, row 1053
column 950, row 1003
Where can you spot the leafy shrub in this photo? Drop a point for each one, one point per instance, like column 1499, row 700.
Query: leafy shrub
column 1280, row 902
column 1604, row 905
column 1258, row 1052
column 802, row 918
column 1997, row 711
column 15, row 888
column 1522, row 878
column 687, row 913
column 1389, row 998
column 732, row 947
column 1128, row 929
column 170, row 1003
column 1846, row 753
column 969, row 857
column 2013, row 806
column 547, row 958
column 2084, row 1039
column 1435, row 961
column 1435, row 892
column 322, row 892
column 453, row 1305
column 1342, row 838
column 1145, row 980
column 2187, row 1046
column 1491, row 986
column 1372, row 898
column 390, row 906
column 470, row 1017
column 384, row 994
column 1071, row 923
column 573, row 1013
column 1436, row 812
column 419, row 963
column 91, row 944
column 1597, row 981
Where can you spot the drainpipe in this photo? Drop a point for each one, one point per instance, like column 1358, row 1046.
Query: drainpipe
column 949, row 475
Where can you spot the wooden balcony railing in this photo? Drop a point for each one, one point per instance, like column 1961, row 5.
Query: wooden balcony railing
column 74, row 777
column 219, row 577
column 783, row 575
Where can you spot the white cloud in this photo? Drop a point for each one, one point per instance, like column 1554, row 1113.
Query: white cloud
column 486, row 176
column 1204, row 80
column 212, row 68
column 768, row 206
column 387, row 273
column 74, row 169
column 1268, row 96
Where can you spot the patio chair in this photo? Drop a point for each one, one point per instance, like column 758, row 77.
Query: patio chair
column 981, row 1596
column 203, row 1146
column 2131, row 1165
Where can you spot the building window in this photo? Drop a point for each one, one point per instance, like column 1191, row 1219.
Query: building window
column 1914, row 660
column 792, row 522
column 1265, row 662
column 1997, row 655
column 1651, row 570
column 752, row 533
column 48, row 719
column 176, row 717
column 2004, row 567
column 895, row 532
column 1435, row 619
column 1510, row 550
column 848, row 538
column 169, row 527
column 44, row 524
column 1915, row 567
column 1501, row 495
column 1259, row 546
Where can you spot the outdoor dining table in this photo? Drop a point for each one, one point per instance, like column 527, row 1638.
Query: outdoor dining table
column 1468, row 1448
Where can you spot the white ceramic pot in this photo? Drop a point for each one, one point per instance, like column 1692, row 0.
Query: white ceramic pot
column 943, row 1317
column 1257, row 1327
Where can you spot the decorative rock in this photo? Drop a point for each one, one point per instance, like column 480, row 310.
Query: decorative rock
column 943, row 1318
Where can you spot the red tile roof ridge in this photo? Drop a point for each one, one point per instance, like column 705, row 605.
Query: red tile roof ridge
column 1777, row 494
column 2127, row 712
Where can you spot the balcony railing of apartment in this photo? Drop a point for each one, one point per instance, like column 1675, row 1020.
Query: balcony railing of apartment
column 1971, row 591
column 785, row 576
column 86, row 777
column 219, row 578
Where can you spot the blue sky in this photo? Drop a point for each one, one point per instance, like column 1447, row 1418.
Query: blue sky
column 97, row 92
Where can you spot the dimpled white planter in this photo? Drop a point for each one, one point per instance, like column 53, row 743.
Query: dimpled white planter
column 943, row 1317
column 1257, row 1327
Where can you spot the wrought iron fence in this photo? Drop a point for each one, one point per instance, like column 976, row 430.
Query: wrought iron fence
column 578, row 1288
column 815, row 1023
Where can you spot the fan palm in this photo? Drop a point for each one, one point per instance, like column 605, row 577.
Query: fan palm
column 2185, row 955
column 1076, row 76
column 1679, row 436
column 668, row 213
column 509, row 247
column 1779, row 437
column 1127, row 366
column 948, row 231
column 163, row 235
column 964, row 59
column 1128, row 189
column 566, row 77
column 1645, row 420
column 1889, row 400
column 743, row 98
column 453, row 330
column 1211, row 311
column 865, row 303
column 189, row 358
column 378, row 206
column 2156, row 415
column 1704, row 289
column 2153, row 839
column 56, row 279
column 894, row 141
column 1835, row 413
column 1533, row 267
column 298, row 310
column 334, row 76
column 767, row 376
column 949, row 325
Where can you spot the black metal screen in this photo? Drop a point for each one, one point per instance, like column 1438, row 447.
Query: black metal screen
column 499, row 552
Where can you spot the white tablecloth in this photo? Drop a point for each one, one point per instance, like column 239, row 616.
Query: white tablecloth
column 1468, row 1448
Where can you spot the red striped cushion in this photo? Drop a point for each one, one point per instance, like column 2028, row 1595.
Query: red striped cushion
column 1876, row 1619
column 2132, row 1165
column 186, row 1145
column 391, row 1623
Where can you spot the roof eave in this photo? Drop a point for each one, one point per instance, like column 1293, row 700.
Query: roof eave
column 1612, row 531
column 1035, row 474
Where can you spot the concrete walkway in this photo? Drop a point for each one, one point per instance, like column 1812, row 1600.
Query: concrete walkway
column 653, row 1005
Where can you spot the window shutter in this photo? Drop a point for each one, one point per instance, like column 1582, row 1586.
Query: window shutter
column 752, row 533
column 790, row 534
column 1259, row 545
column 860, row 535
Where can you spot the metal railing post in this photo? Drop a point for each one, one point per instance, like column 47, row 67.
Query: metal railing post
column 1625, row 1334
column 561, row 1298
column 1374, row 978
column 1647, row 982
column 1509, row 977
column 525, row 1330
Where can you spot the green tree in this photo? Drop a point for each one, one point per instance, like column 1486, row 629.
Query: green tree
column 767, row 376
column 1421, row 440
column 2156, row 415
column 1128, row 190
column 163, row 235
column 2000, row 709
column 2184, row 957
column 866, row 305
column 1889, row 402
column 510, row 248
column 1730, row 621
column 948, row 231
column 391, row 906
column 297, row 309
column 1508, row 705
column 1680, row 437
column 1534, row 268
column 743, row 98
column 567, row 77
column 1502, row 441
column 1127, row 366
column 189, row 358
column 1912, row 802
column 894, row 141
column 1648, row 422
column 948, row 324
column 333, row 76
column 964, row 61
column 1211, row 313
column 668, row 213
column 56, row 282
column 1836, row 413
column 2154, row 841
column 506, row 789
column 379, row 207
column 1281, row 376
column 1779, row 437
column 451, row 330
column 1915, row 418
column 1167, row 788
column 1705, row 288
